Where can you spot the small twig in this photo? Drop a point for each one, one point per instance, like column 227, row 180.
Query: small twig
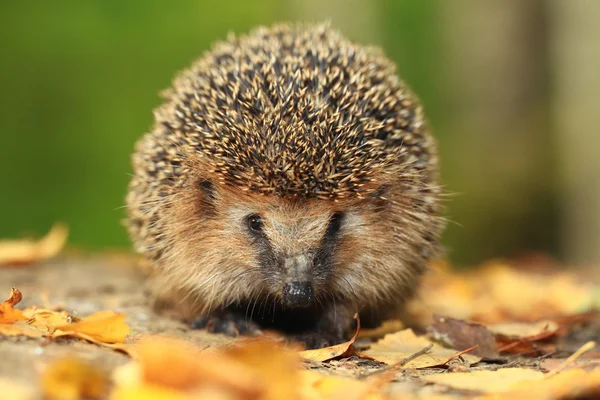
column 410, row 358
column 394, row 367
column 583, row 349
column 460, row 353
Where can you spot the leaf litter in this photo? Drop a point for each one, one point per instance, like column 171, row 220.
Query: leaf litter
column 503, row 350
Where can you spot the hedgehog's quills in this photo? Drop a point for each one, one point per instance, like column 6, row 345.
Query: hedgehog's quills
column 289, row 181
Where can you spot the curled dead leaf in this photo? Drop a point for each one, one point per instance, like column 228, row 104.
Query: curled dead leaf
column 9, row 314
column 24, row 251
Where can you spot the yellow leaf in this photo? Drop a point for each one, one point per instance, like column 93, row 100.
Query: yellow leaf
column 572, row 384
column 15, row 391
column 319, row 386
column 103, row 326
column 18, row 252
column 72, row 379
column 148, row 392
column 390, row 326
column 497, row 292
column 523, row 329
column 20, row 329
column 396, row 347
column 46, row 320
column 486, row 381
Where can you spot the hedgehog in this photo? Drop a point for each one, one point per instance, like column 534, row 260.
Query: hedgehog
column 289, row 181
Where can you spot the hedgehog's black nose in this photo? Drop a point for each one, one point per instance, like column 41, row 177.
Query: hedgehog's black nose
column 298, row 294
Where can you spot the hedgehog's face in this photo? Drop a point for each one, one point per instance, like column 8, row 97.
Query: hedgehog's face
column 294, row 245
column 233, row 246
column 290, row 243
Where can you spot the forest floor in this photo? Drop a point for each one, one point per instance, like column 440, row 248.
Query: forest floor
column 84, row 329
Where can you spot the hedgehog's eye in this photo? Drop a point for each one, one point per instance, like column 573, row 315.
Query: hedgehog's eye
column 335, row 223
column 255, row 223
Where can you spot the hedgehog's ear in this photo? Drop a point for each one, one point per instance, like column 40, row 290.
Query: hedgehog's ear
column 208, row 195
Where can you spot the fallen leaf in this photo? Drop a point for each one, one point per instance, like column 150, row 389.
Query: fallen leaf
column 46, row 320
column 15, row 391
column 496, row 292
column 386, row 327
column 523, row 329
column 399, row 346
column 486, row 381
column 20, row 328
column 251, row 369
column 324, row 354
column 103, row 326
column 315, row 385
column 9, row 314
column 571, row 384
column 461, row 334
column 521, row 337
column 19, row 252
column 550, row 364
column 72, row 379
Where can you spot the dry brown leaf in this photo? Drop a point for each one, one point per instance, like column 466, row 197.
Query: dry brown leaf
column 72, row 379
column 24, row 251
column 103, row 326
column 396, row 347
column 461, row 334
column 524, row 337
column 9, row 314
column 571, row 384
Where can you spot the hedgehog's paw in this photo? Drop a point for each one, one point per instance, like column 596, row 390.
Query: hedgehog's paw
column 317, row 340
column 227, row 322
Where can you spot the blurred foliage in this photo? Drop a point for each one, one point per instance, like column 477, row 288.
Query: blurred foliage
column 80, row 80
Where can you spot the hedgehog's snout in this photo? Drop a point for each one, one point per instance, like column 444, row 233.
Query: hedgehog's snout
column 298, row 294
column 298, row 291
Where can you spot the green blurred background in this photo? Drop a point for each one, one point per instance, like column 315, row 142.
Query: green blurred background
column 510, row 87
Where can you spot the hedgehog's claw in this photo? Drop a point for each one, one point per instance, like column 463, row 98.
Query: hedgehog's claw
column 228, row 323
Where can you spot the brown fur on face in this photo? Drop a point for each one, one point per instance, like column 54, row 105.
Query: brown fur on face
column 379, row 253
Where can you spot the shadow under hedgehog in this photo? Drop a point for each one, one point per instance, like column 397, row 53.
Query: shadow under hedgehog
column 289, row 181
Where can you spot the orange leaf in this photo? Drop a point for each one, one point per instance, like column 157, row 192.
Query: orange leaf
column 103, row 326
column 18, row 252
column 9, row 314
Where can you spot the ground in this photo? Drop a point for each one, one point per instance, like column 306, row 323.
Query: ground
column 84, row 285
